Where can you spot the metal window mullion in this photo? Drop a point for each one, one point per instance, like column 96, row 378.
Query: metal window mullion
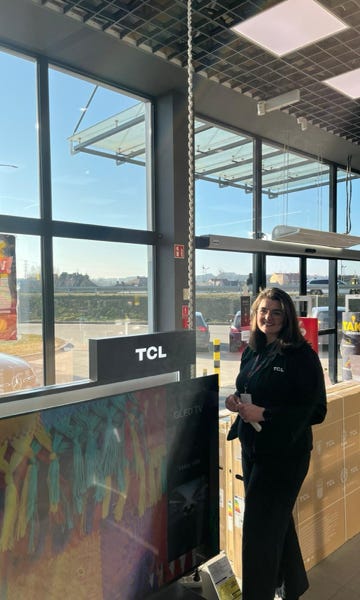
column 48, row 309
column 150, row 195
column 303, row 276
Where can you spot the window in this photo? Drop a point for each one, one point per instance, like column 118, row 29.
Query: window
column 98, row 153
column 224, row 181
column 295, row 190
column 99, row 292
column 19, row 157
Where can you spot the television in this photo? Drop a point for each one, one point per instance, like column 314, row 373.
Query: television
column 112, row 496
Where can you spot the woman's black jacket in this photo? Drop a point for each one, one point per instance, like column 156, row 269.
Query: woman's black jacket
column 290, row 386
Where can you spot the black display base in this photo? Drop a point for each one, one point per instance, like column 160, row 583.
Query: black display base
column 176, row 591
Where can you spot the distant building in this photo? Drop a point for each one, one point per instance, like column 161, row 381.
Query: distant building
column 284, row 278
column 223, row 282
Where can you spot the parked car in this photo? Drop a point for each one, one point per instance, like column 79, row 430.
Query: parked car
column 320, row 286
column 321, row 313
column 238, row 337
column 15, row 374
column 202, row 333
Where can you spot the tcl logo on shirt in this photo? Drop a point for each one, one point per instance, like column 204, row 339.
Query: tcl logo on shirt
column 279, row 369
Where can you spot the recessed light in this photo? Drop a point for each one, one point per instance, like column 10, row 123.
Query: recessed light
column 348, row 83
column 289, row 26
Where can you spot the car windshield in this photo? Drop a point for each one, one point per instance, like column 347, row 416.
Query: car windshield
column 200, row 321
column 237, row 320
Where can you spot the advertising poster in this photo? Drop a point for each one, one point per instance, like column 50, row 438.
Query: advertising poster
column 8, row 293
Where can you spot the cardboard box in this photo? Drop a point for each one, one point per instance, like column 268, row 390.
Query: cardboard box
column 336, row 387
column 351, row 399
column 335, row 409
column 351, row 476
column 320, row 490
column 351, row 435
column 223, row 429
column 222, row 509
column 239, row 504
column 322, row 534
column 352, row 503
column 327, row 446
column 230, row 520
column 236, row 458
column 229, row 500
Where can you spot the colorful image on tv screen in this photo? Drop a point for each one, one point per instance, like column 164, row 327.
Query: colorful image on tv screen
column 110, row 498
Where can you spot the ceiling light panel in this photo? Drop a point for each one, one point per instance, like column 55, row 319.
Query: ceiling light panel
column 347, row 83
column 287, row 27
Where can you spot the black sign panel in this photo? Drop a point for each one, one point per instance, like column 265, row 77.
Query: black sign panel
column 136, row 356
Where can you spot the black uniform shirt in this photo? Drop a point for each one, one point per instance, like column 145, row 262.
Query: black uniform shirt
column 289, row 384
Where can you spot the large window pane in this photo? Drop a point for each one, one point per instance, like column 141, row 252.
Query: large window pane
column 224, row 181
column 348, row 189
column 19, row 189
column 222, row 279
column 101, row 290
column 295, row 191
column 98, row 154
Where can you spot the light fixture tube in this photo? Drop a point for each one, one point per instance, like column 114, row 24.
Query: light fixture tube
column 278, row 102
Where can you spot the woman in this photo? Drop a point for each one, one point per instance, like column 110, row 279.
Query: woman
column 280, row 393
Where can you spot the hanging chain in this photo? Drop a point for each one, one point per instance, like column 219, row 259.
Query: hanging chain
column 191, row 248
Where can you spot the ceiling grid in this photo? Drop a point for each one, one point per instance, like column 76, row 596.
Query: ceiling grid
column 219, row 54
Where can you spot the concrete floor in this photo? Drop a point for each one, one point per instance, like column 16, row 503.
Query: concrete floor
column 338, row 576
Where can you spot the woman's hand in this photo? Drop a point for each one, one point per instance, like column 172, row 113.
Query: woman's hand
column 251, row 413
column 248, row 412
column 232, row 403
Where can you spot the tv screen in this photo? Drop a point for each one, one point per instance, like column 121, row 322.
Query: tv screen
column 109, row 498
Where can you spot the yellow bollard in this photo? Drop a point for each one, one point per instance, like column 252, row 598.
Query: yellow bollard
column 216, row 357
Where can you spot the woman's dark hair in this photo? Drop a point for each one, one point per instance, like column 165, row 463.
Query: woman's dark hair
column 290, row 334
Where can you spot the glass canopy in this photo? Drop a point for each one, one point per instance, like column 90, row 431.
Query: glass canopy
column 221, row 156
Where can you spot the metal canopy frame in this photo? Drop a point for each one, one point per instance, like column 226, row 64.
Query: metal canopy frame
column 222, row 156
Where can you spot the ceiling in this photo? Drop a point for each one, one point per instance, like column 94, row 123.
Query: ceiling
column 159, row 27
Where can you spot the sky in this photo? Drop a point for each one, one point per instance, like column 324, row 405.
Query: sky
column 93, row 189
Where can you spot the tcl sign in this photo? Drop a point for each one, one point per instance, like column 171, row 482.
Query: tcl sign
column 137, row 356
column 150, row 353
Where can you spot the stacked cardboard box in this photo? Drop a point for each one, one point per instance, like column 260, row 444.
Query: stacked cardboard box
column 223, row 429
column 326, row 512
column 327, row 505
column 231, row 495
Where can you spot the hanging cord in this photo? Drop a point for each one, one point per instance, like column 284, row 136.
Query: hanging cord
column 348, row 183
column 190, row 165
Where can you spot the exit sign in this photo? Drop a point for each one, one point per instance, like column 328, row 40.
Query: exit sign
column 179, row 251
